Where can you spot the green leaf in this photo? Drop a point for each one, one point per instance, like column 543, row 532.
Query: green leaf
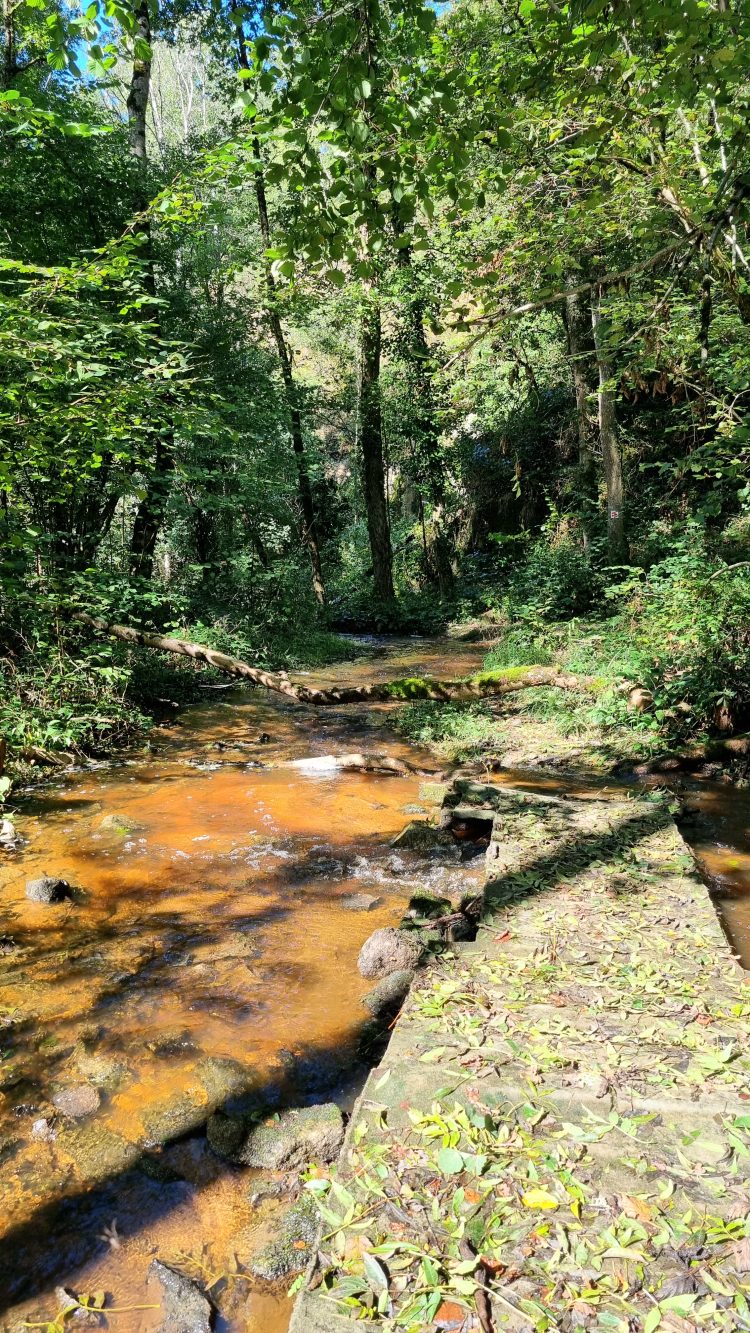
column 450, row 1161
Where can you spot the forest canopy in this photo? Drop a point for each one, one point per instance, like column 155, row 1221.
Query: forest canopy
column 373, row 315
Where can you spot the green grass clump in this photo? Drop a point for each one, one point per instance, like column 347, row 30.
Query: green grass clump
column 458, row 730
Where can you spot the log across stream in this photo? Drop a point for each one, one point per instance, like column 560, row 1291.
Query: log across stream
column 211, row 950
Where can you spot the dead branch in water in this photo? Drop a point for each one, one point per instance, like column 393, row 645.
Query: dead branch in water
column 487, row 684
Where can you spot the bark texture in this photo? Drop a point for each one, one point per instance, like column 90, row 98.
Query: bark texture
column 610, row 445
column 370, row 437
column 486, row 684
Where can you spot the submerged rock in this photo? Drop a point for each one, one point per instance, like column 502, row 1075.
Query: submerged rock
column 419, row 836
column 101, row 1070
column 359, row 902
column 98, row 1153
column 171, row 1119
column 120, row 824
column 223, row 1078
column 48, row 889
column 297, row 1136
column 289, row 1250
column 77, row 1101
column 386, row 997
column 185, row 1308
column 388, row 950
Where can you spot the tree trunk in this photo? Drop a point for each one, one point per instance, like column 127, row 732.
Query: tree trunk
column 425, row 431
column 151, row 508
column 486, row 684
column 309, row 534
column 370, row 439
column 577, row 321
column 8, row 69
column 140, row 84
column 611, row 456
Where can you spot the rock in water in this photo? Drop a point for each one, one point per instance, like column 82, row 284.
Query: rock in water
column 48, row 889
column 419, row 836
column 120, row 824
column 299, row 1135
column 386, row 997
column 388, row 950
column 360, row 902
column 185, row 1308
column 77, row 1101
column 290, row 1248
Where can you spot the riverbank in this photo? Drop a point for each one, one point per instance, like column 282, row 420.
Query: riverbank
column 557, row 1135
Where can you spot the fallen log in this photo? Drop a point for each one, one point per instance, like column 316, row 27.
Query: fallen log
column 485, row 684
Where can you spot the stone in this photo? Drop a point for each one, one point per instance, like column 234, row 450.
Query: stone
column 223, row 1078
column 185, row 1308
column 426, row 904
column 171, row 1119
column 48, row 889
column 42, row 1131
column 360, row 902
column 419, row 836
column 388, row 950
column 289, row 1250
column 98, row 1153
column 120, row 824
column 386, row 997
column 168, row 1044
column 77, row 1101
column 434, row 793
column 10, row 839
column 293, row 1138
column 226, row 1134
column 101, row 1070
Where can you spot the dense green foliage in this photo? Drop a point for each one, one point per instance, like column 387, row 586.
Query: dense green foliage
column 299, row 303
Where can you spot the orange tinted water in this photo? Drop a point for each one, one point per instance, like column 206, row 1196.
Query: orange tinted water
column 208, row 928
column 213, row 931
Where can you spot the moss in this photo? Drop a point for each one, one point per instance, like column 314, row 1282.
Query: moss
column 411, row 687
column 503, row 674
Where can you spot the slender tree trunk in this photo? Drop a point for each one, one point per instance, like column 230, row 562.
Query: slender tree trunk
column 610, row 446
column 425, row 430
column 309, row 535
column 370, row 439
column 151, row 508
column 577, row 321
column 8, row 69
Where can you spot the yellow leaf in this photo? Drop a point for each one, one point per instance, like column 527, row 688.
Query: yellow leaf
column 539, row 1199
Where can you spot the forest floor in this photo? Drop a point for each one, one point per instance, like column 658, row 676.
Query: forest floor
column 558, row 1134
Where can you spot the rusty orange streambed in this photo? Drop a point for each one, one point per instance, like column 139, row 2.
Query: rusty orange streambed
column 212, row 940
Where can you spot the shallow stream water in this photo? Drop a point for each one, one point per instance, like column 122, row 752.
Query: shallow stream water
column 211, row 952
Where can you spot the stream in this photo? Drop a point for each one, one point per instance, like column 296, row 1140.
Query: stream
column 211, row 953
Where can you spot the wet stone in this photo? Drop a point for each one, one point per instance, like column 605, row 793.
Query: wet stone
column 97, row 1153
column 297, row 1136
column 389, row 993
column 77, row 1101
column 170, row 1044
column 101, row 1070
column 388, row 950
column 48, row 889
column 184, row 1307
column 419, row 836
column 171, row 1119
column 360, row 902
column 289, row 1250
column 122, row 824
column 223, row 1078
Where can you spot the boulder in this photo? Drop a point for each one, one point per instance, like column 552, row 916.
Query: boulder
column 290, row 1248
column 360, row 902
column 419, row 836
column 48, row 889
column 388, row 950
column 290, row 1140
column 172, row 1119
column 185, row 1308
column 386, row 997
column 77, row 1101
column 223, row 1078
